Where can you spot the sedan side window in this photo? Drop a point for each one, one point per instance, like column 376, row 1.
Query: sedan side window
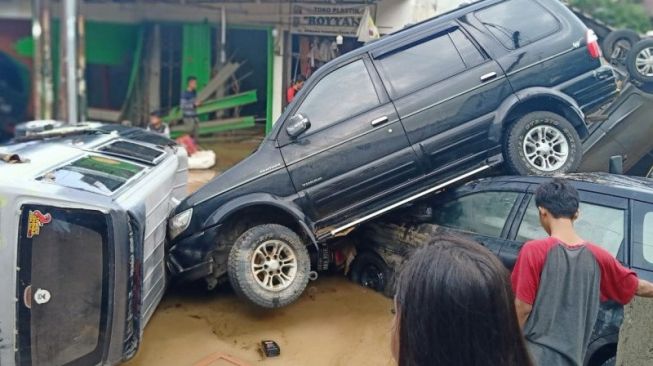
column 345, row 92
column 600, row 225
column 481, row 213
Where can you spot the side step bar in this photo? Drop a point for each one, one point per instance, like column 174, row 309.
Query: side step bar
column 350, row 225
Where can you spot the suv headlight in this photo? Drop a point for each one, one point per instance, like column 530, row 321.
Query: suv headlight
column 179, row 223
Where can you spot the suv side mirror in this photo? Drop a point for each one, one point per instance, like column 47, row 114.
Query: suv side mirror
column 297, row 125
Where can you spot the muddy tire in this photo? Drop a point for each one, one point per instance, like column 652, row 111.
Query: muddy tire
column 269, row 266
column 371, row 271
column 623, row 39
column 542, row 143
column 639, row 62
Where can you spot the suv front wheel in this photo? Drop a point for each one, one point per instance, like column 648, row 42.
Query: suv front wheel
column 269, row 265
column 542, row 143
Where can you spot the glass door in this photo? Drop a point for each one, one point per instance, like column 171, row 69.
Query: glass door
column 63, row 285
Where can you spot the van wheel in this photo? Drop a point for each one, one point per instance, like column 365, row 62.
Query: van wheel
column 269, row 266
column 640, row 61
column 370, row 270
column 612, row 361
column 617, row 44
column 542, row 143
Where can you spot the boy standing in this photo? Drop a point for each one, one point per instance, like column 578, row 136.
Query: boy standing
column 559, row 281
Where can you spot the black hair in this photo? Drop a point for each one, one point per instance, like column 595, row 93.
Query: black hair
column 455, row 307
column 559, row 197
column 156, row 113
column 190, row 78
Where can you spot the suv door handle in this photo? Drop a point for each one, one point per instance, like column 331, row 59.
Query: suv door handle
column 379, row 121
column 488, row 76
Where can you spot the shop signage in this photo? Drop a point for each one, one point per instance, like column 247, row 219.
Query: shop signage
column 325, row 19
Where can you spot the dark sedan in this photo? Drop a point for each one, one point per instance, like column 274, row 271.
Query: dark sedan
column 500, row 213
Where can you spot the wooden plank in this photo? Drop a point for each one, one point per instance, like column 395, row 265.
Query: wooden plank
column 209, row 106
column 210, row 127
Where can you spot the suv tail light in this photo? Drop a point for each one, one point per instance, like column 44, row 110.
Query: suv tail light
column 593, row 44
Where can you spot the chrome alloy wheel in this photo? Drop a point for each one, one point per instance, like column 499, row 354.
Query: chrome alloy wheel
column 546, row 148
column 644, row 62
column 274, row 265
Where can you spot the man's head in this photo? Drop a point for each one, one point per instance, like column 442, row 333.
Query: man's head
column 299, row 82
column 155, row 118
column 556, row 200
column 191, row 83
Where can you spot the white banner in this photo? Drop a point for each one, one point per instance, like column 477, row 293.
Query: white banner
column 327, row 19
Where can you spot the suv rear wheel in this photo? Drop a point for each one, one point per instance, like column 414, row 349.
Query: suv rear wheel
column 269, row 266
column 542, row 143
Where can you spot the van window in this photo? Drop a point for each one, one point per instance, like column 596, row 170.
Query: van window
column 420, row 65
column 514, row 31
column 96, row 174
column 345, row 92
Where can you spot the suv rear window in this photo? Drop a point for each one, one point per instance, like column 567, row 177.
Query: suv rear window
column 532, row 23
column 94, row 173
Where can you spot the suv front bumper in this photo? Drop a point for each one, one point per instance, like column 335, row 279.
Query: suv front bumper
column 190, row 258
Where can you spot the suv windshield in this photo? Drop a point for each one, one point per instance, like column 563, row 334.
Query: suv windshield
column 94, row 173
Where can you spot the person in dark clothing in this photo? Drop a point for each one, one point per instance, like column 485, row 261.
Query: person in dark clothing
column 560, row 280
column 294, row 88
column 188, row 105
column 454, row 307
column 156, row 125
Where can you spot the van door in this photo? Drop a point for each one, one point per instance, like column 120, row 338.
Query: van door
column 355, row 156
column 446, row 91
column 63, row 283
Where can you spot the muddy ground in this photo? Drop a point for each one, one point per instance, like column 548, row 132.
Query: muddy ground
column 334, row 323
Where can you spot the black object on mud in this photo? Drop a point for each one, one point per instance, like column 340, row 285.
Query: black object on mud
column 270, row 348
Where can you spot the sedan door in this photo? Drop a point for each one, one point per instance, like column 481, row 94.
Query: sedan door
column 483, row 216
column 355, row 156
column 602, row 221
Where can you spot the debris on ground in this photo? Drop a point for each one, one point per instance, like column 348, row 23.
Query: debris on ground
column 270, row 348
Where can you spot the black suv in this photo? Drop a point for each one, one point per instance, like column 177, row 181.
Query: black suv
column 393, row 121
column 616, row 213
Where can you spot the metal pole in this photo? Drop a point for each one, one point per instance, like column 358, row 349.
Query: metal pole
column 70, row 42
column 46, row 42
column 37, row 94
column 223, row 35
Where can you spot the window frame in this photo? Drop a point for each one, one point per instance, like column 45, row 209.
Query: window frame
column 487, row 30
column 509, row 218
column 413, row 40
column 283, row 138
column 587, row 197
column 639, row 211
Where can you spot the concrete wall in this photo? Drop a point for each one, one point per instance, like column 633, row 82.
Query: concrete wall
column 636, row 335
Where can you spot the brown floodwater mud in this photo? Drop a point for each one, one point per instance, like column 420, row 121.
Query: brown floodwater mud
column 335, row 322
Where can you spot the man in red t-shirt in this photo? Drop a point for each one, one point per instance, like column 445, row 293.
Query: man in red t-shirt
column 559, row 282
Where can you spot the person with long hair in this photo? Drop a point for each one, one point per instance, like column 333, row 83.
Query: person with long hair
column 454, row 306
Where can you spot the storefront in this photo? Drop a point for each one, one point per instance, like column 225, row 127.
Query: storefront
column 321, row 32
